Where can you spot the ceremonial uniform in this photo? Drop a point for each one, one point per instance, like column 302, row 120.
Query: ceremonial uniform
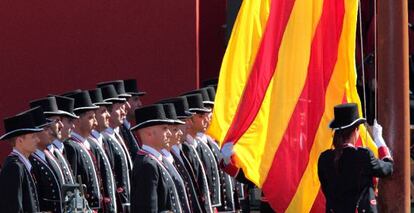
column 48, row 184
column 56, row 148
column 129, row 139
column 152, row 189
column 168, row 162
column 106, row 175
column 187, row 174
column 119, row 163
column 82, row 163
column 18, row 189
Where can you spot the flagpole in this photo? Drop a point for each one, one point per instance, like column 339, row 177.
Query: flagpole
column 393, row 101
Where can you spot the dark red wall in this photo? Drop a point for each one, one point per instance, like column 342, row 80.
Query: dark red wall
column 55, row 46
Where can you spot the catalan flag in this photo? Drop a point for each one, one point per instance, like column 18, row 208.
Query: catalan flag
column 288, row 63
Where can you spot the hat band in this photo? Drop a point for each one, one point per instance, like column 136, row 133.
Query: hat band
column 19, row 130
column 151, row 121
column 349, row 125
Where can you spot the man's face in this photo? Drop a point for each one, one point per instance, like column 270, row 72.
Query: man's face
column 117, row 114
column 183, row 128
column 86, row 121
column 28, row 143
column 134, row 103
column 56, row 127
column 176, row 135
column 102, row 117
column 161, row 134
column 67, row 127
column 45, row 137
column 199, row 122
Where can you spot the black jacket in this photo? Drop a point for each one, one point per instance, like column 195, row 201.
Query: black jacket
column 200, row 175
column 152, row 189
column 18, row 190
column 82, row 165
column 47, row 184
column 106, row 175
column 120, row 169
column 130, row 141
column 351, row 179
column 193, row 192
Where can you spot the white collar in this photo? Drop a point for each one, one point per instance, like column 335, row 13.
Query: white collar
column 110, row 131
column 152, row 151
column 127, row 124
column 167, row 155
column 81, row 139
column 191, row 141
column 116, row 130
column 23, row 159
column 202, row 137
column 96, row 134
column 58, row 144
column 176, row 149
column 41, row 154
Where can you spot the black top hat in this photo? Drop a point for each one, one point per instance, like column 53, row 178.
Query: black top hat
column 96, row 97
column 19, row 124
column 204, row 95
column 39, row 117
column 181, row 106
column 66, row 94
column 213, row 81
column 48, row 105
column 109, row 94
column 82, row 102
column 211, row 93
column 170, row 113
column 132, row 88
column 119, row 87
column 195, row 103
column 66, row 105
column 346, row 116
column 150, row 115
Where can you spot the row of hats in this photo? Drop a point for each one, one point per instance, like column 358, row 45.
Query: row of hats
column 73, row 103
column 70, row 104
column 173, row 110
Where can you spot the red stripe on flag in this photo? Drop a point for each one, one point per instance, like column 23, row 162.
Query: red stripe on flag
column 319, row 204
column 262, row 70
column 292, row 155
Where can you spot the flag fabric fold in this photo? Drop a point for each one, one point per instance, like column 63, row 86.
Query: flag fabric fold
column 288, row 63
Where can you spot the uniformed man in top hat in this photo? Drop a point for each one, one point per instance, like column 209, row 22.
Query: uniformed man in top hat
column 132, row 102
column 46, row 170
column 98, row 148
column 197, row 127
column 191, row 148
column 230, row 200
column 181, row 162
column 152, row 188
column 55, row 149
column 18, row 190
column 168, row 159
column 116, row 149
column 78, row 149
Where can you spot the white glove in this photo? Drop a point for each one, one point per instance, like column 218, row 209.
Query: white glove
column 377, row 134
column 227, row 151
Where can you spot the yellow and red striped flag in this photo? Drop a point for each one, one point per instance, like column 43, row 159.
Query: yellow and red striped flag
column 288, row 63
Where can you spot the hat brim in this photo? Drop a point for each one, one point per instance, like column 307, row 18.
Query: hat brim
column 115, row 100
column 137, row 93
column 208, row 102
column 104, row 103
column 84, row 109
column 154, row 122
column 176, row 121
column 61, row 113
column 199, row 110
column 48, row 123
column 336, row 126
column 124, row 95
column 18, row 132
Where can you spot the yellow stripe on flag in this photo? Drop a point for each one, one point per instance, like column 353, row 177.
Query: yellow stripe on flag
column 257, row 147
column 237, row 64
